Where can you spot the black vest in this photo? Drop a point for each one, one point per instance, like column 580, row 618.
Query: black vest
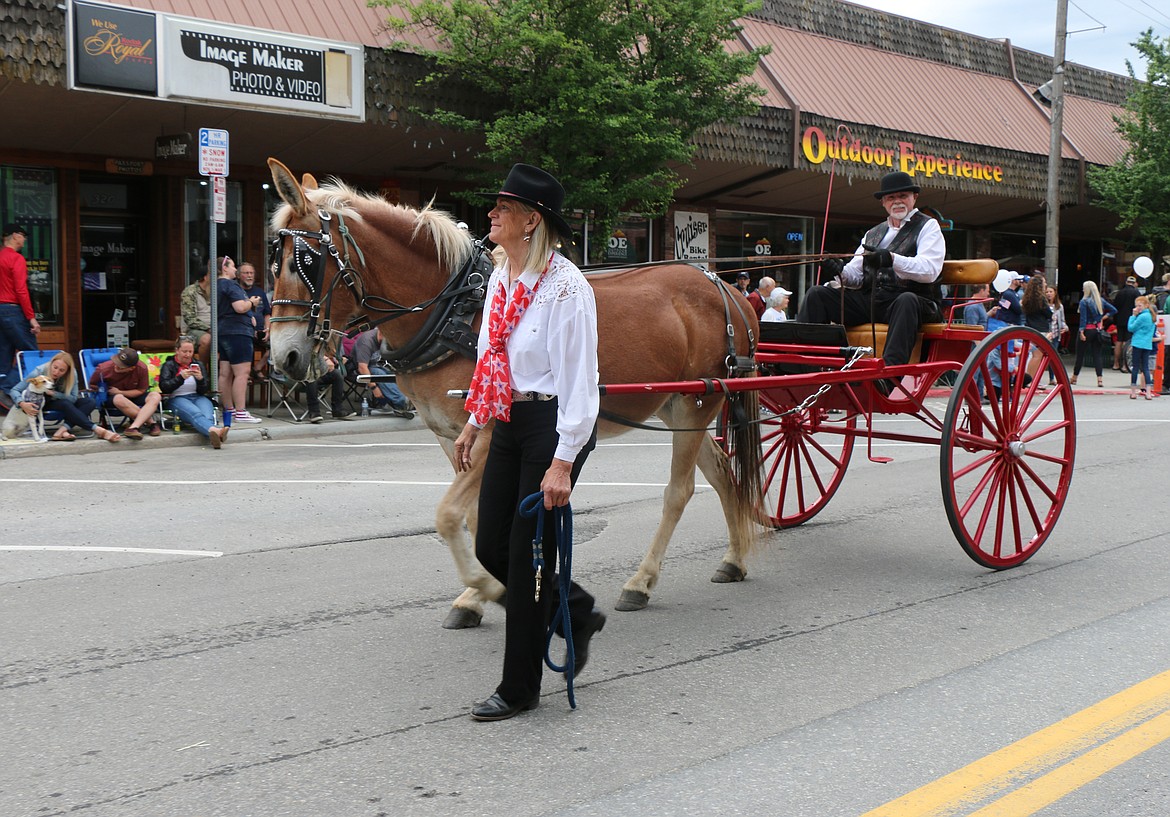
column 905, row 243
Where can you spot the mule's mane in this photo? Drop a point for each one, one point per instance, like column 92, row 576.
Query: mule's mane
column 452, row 243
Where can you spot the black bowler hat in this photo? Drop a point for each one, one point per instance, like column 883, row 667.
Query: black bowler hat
column 9, row 229
column 896, row 182
column 539, row 189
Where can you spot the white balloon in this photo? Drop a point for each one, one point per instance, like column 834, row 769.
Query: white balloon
column 1003, row 280
column 1143, row 266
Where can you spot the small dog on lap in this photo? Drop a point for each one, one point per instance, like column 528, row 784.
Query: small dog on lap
column 17, row 420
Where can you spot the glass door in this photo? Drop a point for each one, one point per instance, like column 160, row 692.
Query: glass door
column 113, row 289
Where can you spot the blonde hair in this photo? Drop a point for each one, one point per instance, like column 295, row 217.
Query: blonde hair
column 1142, row 299
column 70, row 376
column 542, row 241
column 1090, row 291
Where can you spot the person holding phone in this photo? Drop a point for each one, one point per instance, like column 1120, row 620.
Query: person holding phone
column 184, row 387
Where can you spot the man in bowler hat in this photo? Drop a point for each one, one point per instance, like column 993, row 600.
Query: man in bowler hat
column 894, row 271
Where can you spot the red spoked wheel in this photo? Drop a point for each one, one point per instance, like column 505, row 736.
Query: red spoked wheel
column 804, row 459
column 1007, row 464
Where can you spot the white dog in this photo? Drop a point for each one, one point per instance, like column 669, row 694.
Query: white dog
column 17, row 421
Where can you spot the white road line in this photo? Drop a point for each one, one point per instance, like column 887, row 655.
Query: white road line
column 86, row 549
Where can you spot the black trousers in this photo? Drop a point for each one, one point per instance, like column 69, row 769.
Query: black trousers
column 335, row 382
column 521, row 452
column 904, row 312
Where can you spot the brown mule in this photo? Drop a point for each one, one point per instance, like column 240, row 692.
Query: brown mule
column 658, row 324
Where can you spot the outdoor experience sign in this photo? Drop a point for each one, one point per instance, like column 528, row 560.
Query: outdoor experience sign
column 817, row 147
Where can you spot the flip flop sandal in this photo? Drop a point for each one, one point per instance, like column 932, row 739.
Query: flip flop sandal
column 62, row 437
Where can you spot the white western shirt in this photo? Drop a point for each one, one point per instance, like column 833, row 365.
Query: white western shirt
column 925, row 267
column 553, row 349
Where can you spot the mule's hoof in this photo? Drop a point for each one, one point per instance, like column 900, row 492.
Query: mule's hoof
column 631, row 600
column 460, row 618
column 728, row 572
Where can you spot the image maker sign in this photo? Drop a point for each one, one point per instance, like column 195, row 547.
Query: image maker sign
column 259, row 68
column 245, row 67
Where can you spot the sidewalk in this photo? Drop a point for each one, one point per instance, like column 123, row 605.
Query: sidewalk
column 1114, row 382
column 273, row 428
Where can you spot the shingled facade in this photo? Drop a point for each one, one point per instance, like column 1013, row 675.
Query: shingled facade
column 109, row 182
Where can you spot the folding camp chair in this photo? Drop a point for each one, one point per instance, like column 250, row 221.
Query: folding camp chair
column 27, row 361
column 282, row 394
column 154, row 362
column 89, row 360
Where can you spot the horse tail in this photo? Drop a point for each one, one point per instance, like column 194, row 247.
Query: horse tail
column 747, row 459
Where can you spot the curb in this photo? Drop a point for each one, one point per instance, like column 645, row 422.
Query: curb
column 267, row 431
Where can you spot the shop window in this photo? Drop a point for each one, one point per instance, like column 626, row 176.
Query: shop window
column 197, row 215
column 763, row 237
column 28, row 196
column 628, row 243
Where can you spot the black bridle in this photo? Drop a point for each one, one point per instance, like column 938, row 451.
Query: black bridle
column 447, row 330
column 309, row 264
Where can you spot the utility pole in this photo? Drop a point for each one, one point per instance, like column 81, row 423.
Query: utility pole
column 1055, row 142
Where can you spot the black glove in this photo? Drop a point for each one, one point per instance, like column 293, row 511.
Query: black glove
column 880, row 258
column 831, row 268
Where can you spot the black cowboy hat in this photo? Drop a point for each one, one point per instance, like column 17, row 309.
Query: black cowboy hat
column 896, row 182
column 538, row 189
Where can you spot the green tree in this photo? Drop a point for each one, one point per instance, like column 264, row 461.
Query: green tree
column 605, row 94
column 1137, row 188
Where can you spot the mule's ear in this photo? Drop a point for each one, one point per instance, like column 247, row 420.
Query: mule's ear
column 287, row 188
column 308, row 182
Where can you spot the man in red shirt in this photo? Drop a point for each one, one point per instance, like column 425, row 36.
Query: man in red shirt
column 758, row 297
column 127, row 383
column 18, row 322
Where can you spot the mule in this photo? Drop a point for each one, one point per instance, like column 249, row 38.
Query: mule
column 660, row 324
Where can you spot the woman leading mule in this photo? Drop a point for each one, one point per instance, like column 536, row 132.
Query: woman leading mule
column 536, row 375
column 414, row 265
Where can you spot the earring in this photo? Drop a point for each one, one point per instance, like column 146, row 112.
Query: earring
column 527, row 237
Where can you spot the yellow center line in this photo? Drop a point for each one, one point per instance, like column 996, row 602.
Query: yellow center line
column 1015, row 765
column 1046, row 790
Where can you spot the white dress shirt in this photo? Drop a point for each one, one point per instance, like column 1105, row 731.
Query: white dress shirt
column 553, row 349
column 925, row 267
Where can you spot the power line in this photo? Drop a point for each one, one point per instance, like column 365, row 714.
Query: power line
column 1156, row 11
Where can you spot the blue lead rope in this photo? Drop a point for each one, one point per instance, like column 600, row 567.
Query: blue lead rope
column 562, row 520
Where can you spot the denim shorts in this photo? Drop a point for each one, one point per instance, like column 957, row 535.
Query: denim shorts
column 235, row 349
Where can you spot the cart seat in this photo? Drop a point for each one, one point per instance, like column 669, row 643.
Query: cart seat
column 969, row 272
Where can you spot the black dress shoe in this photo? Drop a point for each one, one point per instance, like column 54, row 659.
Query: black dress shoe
column 593, row 624
column 496, row 708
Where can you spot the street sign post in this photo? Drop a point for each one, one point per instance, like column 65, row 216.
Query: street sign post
column 213, row 152
column 213, row 161
column 219, row 199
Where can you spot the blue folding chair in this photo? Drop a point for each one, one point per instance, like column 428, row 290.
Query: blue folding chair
column 27, row 361
column 89, row 360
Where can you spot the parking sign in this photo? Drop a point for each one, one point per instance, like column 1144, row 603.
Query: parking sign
column 213, row 152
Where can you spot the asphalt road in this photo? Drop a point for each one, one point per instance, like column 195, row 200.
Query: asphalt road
column 291, row 661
